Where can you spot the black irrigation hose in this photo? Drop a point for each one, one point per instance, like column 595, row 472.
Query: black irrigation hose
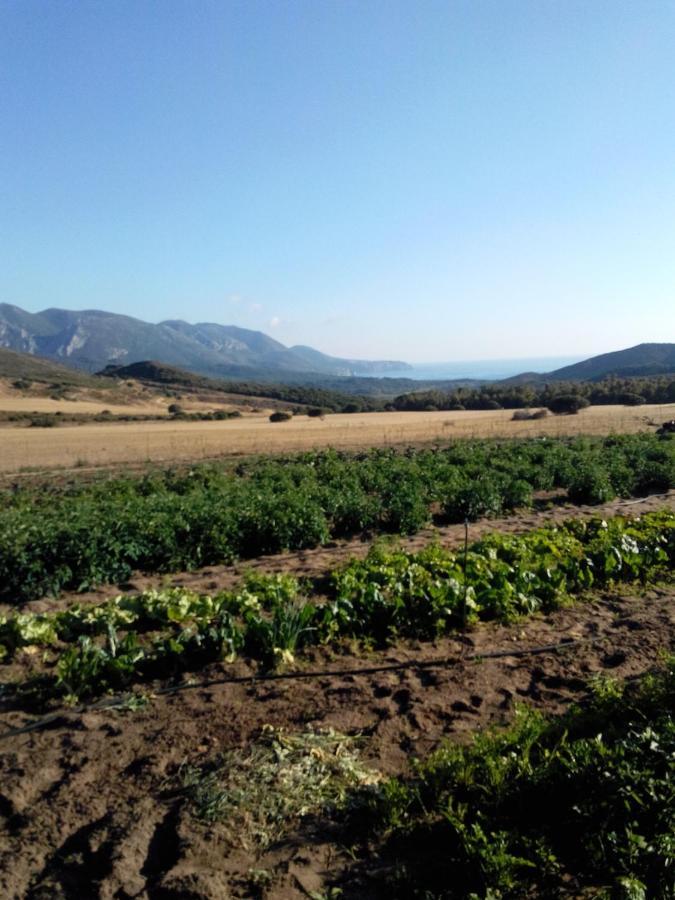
column 120, row 700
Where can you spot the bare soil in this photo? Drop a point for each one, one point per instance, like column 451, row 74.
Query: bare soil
column 103, row 444
column 88, row 806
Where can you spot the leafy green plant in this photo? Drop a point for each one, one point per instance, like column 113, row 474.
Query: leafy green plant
column 391, row 593
column 76, row 537
column 88, row 668
column 275, row 640
column 523, row 811
column 396, row 593
column 590, row 484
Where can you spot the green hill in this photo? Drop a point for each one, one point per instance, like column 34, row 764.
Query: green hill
column 643, row 359
column 25, row 367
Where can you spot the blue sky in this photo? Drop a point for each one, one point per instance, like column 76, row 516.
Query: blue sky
column 418, row 180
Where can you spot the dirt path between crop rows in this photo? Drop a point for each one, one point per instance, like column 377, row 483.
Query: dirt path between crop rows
column 87, row 806
column 320, row 560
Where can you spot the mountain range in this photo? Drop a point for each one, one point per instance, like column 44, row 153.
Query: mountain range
column 92, row 339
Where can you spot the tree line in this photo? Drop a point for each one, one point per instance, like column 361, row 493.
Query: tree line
column 610, row 391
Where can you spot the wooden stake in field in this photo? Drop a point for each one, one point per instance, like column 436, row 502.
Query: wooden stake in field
column 466, row 579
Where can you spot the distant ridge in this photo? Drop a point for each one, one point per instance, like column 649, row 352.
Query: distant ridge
column 641, row 360
column 25, row 367
column 92, row 339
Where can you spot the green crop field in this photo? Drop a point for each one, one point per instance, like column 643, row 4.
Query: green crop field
column 84, row 535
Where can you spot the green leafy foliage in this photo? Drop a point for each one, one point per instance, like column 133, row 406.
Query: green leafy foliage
column 424, row 594
column 88, row 668
column 84, row 535
column 543, row 808
column 390, row 594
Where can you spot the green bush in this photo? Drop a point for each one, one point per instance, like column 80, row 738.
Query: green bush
column 629, row 399
column 567, row 404
column 474, row 499
column 583, row 803
column 590, row 484
column 45, row 420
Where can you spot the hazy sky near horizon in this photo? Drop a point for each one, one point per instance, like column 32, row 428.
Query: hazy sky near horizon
column 419, row 180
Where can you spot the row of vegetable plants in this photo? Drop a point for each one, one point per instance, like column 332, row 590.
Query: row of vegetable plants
column 76, row 537
column 579, row 805
column 391, row 594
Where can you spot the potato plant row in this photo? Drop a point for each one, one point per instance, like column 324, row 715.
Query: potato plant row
column 76, row 538
column 391, row 594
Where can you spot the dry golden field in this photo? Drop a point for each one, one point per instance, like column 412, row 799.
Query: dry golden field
column 99, row 444
column 131, row 399
column 86, row 407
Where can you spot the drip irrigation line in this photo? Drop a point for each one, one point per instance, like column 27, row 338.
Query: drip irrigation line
column 644, row 499
column 120, row 700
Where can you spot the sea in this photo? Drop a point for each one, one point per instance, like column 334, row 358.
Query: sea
column 488, row 369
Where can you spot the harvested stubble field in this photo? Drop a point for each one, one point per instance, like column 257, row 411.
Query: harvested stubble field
column 81, row 407
column 132, row 399
column 103, row 444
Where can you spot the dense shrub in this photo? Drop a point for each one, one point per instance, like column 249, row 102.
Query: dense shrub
column 629, row 399
column 480, row 497
column 590, row 484
column 567, row 404
column 43, row 421
column 280, row 416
